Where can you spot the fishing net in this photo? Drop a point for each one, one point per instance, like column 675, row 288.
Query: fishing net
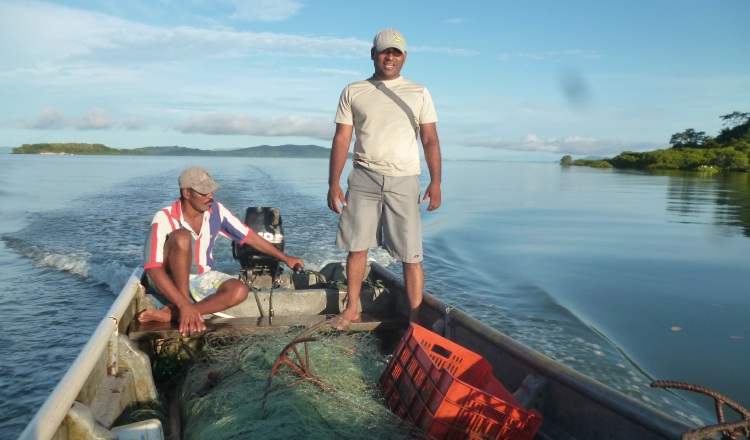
column 227, row 393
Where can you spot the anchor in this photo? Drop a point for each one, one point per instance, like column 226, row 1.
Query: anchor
column 728, row 430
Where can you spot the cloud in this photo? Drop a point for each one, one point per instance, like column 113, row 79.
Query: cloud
column 52, row 118
column 96, row 119
column 455, row 20
column 60, row 38
column 47, row 119
column 568, row 145
column 237, row 124
column 542, row 56
column 135, row 124
column 265, row 10
column 330, row 71
column 444, row 50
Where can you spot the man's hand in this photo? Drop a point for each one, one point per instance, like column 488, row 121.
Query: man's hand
column 191, row 321
column 434, row 194
column 336, row 196
column 342, row 139
column 294, row 262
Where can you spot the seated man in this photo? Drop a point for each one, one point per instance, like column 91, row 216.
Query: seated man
column 178, row 257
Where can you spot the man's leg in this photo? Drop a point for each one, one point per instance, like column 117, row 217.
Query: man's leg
column 177, row 260
column 356, row 264
column 402, row 230
column 414, row 280
column 230, row 293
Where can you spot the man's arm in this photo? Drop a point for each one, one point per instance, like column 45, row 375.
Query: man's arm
column 431, row 146
column 263, row 245
column 339, row 153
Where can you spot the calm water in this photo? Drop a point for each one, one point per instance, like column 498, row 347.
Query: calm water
column 626, row 277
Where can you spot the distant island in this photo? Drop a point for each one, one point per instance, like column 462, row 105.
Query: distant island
column 303, row 151
column 691, row 150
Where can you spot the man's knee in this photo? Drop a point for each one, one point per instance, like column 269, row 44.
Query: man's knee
column 235, row 290
column 180, row 241
column 177, row 249
column 179, row 237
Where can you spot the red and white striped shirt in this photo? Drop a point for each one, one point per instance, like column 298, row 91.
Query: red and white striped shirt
column 216, row 221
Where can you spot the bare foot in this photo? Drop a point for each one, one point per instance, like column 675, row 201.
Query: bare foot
column 155, row 315
column 344, row 319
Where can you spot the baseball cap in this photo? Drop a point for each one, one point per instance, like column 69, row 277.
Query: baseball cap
column 389, row 38
column 198, row 179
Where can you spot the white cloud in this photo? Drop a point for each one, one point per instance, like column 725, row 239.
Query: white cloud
column 96, row 119
column 52, row 118
column 56, row 37
column 444, row 50
column 455, row 20
column 577, row 145
column 330, row 71
column 541, row 56
column 47, row 119
column 135, row 124
column 265, row 10
column 238, row 124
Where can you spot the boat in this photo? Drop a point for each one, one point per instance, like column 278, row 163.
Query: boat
column 113, row 371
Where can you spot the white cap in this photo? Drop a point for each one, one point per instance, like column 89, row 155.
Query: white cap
column 388, row 38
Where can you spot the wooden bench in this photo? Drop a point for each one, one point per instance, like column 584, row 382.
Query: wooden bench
column 169, row 330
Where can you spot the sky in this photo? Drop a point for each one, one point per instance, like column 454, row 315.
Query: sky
column 511, row 80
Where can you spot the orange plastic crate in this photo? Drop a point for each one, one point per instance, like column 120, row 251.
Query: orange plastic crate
column 449, row 392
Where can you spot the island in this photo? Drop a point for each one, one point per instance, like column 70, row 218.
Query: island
column 296, row 151
column 691, row 150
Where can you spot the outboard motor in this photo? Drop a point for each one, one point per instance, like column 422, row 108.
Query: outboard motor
column 266, row 222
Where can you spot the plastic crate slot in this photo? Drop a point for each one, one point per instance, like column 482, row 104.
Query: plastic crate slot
column 441, row 351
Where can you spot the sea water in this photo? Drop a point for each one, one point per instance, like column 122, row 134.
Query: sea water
column 626, row 277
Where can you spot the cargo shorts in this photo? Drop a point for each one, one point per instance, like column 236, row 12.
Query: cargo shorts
column 201, row 286
column 382, row 211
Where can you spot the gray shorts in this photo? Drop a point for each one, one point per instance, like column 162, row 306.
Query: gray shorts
column 382, row 211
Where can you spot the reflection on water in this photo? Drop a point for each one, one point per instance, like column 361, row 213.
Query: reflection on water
column 622, row 275
column 720, row 199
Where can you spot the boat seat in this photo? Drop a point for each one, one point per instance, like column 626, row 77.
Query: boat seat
column 169, row 330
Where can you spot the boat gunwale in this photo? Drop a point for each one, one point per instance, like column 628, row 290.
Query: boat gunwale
column 51, row 414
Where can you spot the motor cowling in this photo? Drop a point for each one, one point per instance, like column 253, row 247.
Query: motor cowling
column 266, row 222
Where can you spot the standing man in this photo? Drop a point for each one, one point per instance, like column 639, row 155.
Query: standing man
column 386, row 113
column 178, row 255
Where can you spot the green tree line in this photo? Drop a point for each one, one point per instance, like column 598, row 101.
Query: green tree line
column 691, row 150
column 300, row 151
column 68, row 148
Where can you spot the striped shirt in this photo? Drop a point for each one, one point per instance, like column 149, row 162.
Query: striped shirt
column 216, row 221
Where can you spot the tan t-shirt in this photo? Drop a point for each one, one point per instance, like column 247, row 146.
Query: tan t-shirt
column 385, row 139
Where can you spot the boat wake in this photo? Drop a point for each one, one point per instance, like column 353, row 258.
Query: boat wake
column 110, row 274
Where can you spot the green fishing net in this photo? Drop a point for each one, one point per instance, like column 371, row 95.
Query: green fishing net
column 227, row 395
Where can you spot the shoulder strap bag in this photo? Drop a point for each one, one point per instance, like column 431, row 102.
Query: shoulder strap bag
column 398, row 101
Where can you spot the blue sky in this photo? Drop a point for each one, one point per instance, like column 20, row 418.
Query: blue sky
column 511, row 80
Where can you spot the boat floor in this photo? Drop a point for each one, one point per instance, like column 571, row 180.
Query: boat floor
column 170, row 330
